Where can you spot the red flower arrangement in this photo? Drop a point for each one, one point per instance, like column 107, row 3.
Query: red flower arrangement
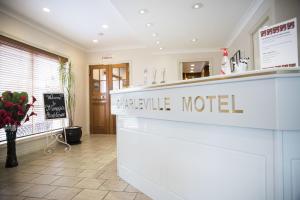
column 13, row 108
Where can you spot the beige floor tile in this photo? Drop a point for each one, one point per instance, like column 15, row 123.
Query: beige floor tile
column 120, row 196
column 9, row 197
column 69, row 172
column 3, row 185
column 38, row 191
column 91, row 164
column 130, row 188
column 3, row 177
column 90, row 173
column 45, row 179
column 23, row 177
column 141, row 196
column 15, row 188
column 32, row 168
column 66, row 181
column 62, row 193
column 39, row 162
column 90, row 183
column 109, row 175
column 113, row 185
column 51, row 170
column 6, row 173
column 88, row 194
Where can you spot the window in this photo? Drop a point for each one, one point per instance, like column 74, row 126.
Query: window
column 35, row 71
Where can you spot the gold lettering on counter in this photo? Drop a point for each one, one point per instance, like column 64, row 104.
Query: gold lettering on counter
column 167, row 103
column 187, row 104
column 234, row 110
column 223, row 101
column 210, row 103
column 199, row 104
column 211, row 98
column 154, row 104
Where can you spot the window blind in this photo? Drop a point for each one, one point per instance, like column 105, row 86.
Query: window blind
column 32, row 71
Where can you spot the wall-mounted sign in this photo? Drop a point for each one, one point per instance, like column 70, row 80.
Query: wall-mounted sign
column 55, row 106
column 278, row 45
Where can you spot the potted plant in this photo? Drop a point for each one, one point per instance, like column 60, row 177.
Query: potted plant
column 13, row 109
column 73, row 133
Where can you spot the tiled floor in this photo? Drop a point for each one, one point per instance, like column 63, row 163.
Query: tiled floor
column 88, row 172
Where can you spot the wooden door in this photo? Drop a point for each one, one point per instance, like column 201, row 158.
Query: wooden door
column 102, row 79
column 99, row 99
column 119, row 80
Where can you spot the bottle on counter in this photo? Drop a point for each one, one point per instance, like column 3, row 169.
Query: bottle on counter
column 154, row 76
column 225, row 66
column 163, row 75
column 145, row 76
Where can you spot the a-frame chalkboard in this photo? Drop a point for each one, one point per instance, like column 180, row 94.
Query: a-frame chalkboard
column 54, row 104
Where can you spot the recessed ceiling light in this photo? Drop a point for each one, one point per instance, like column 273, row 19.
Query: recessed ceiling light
column 149, row 25
column 95, row 41
column 192, row 65
column 194, row 40
column 46, row 10
column 105, row 26
column 192, row 68
column 143, row 11
column 192, row 71
column 160, row 48
column 154, row 34
column 157, row 42
column 197, row 5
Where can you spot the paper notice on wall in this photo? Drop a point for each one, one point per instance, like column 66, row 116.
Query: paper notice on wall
column 278, row 45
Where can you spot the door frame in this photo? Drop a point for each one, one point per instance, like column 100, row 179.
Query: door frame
column 111, row 128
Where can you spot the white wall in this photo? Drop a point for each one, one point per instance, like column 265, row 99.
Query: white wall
column 140, row 59
column 12, row 27
column 275, row 11
column 244, row 41
column 287, row 9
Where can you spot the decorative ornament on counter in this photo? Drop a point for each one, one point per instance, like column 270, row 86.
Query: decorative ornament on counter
column 163, row 75
column 145, row 76
column 225, row 68
column 154, row 76
column 242, row 65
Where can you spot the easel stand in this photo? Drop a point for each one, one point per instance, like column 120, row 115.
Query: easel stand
column 55, row 108
column 56, row 137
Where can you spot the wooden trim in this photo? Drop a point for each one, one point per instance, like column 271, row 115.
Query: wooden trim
column 26, row 47
column 109, row 67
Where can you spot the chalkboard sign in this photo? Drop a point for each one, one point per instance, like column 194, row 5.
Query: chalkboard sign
column 54, row 105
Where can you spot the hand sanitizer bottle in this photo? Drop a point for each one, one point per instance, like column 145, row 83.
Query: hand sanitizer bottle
column 225, row 67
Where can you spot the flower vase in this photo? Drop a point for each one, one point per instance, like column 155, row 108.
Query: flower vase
column 11, row 158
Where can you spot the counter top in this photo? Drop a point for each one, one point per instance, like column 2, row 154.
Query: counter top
column 255, row 74
column 266, row 99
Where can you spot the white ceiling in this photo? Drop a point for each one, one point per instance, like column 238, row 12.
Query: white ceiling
column 175, row 22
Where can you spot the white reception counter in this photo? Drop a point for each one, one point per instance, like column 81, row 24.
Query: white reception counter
column 234, row 137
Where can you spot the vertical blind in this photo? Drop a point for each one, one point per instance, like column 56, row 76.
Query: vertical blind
column 23, row 68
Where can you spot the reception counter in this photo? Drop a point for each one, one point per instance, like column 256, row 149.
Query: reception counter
column 233, row 137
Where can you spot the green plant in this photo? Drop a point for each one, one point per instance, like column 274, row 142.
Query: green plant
column 66, row 77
